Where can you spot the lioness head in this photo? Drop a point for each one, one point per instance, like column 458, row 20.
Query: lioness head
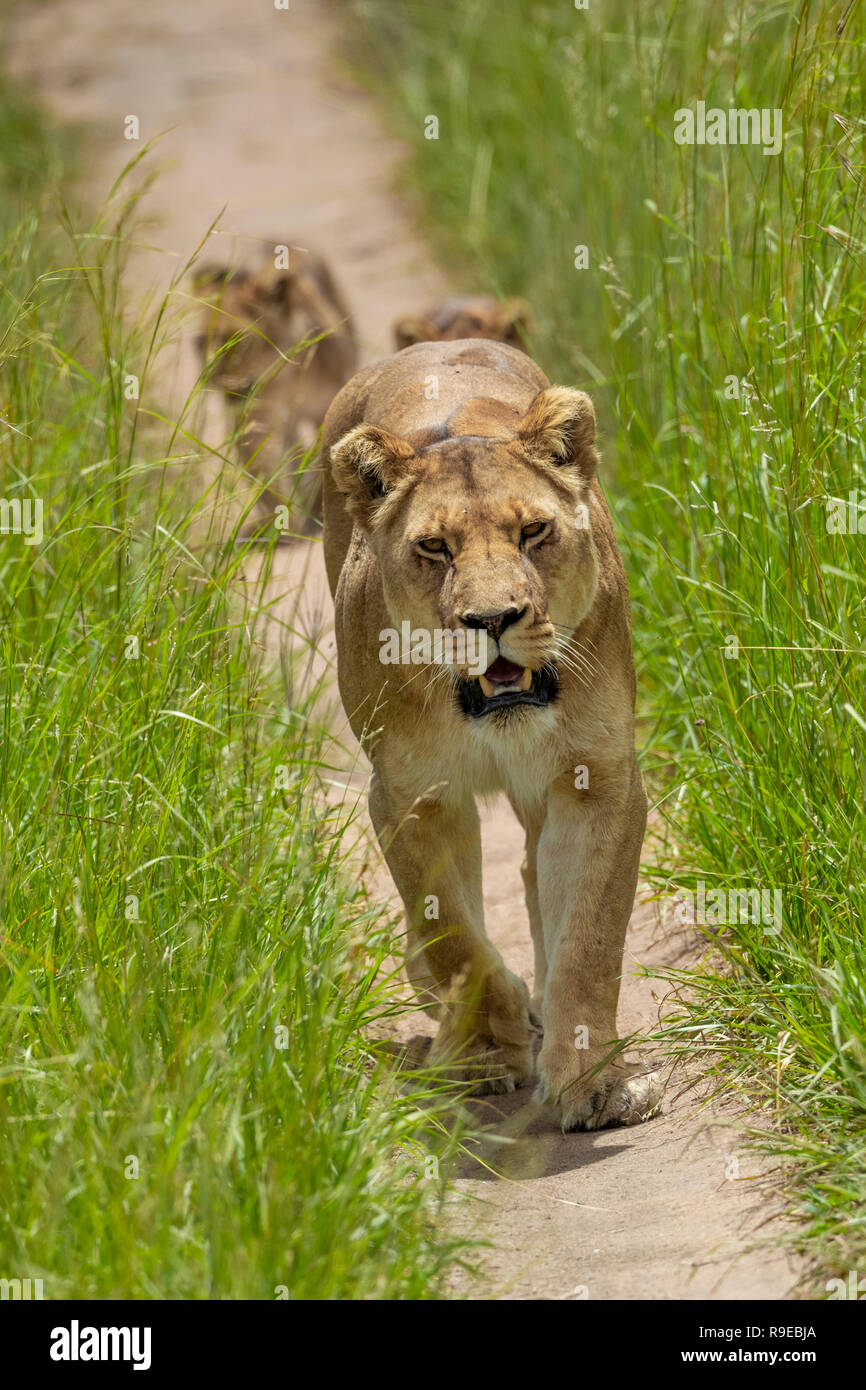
column 247, row 311
column 254, row 319
column 486, row 533
column 480, row 316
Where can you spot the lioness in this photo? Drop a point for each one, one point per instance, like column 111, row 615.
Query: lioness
column 478, row 512
column 282, row 394
column 478, row 316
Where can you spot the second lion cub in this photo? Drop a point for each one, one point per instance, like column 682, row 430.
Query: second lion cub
column 282, row 344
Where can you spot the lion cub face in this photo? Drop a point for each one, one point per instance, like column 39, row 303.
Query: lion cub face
column 254, row 320
column 246, row 313
column 485, row 536
column 479, row 316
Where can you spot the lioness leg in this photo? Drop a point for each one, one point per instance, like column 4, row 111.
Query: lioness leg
column 532, row 824
column 434, row 854
column 588, row 858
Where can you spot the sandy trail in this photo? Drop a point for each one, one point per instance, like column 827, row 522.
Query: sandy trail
column 260, row 123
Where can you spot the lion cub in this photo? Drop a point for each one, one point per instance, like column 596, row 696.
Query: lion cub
column 253, row 330
column 479, row 316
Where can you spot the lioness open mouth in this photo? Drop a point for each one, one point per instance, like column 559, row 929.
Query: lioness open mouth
column 505, row 684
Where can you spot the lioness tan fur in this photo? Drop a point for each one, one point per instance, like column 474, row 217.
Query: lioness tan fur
column 461, row 496
column 280, row 393
column 474, row 316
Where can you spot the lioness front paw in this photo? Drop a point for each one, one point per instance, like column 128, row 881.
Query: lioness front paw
column 484, row 1070
column 488, row 1043
column 620, row 1094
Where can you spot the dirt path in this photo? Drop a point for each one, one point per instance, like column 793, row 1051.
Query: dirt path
column 259, row 123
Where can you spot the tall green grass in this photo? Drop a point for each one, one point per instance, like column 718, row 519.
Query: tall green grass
column 720, row 328
column 191, row 1102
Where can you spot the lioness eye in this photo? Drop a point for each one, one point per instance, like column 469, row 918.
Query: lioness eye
column 433, row 545
column 536, row 528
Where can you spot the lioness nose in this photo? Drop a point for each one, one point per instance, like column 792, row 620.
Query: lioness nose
column 495, row 623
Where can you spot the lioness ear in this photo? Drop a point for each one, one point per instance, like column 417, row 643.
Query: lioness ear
column 273, row 287
column 209, row 279
column 366, row 464
column 412, row 328
column 515, row 320
column 559, row 429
